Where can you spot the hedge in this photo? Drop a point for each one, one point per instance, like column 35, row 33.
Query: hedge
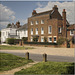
column 40, row 43
column 12, row 41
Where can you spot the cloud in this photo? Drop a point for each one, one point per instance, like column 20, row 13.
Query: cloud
column 22, row 21
column 39, row 4
column 6, row 15
column 69, row 6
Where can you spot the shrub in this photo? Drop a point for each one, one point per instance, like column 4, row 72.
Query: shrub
column 25, row 39
column 10, row 41
column 45, row 39
column 61, row 41
column 35, row 39
column 73, row 40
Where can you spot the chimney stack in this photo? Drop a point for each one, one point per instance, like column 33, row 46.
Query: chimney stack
column 64, row 22
column 55, row 8
column 18, row 24
column 34, row 12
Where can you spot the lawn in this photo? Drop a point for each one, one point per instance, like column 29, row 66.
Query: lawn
column 9, row 61
column 10, row 47
column 49, row 68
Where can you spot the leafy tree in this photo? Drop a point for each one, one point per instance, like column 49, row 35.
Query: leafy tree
column 35, row 39
column 73, row 40
column 0, row 33
column 8, row 25
column 25, row 39
column 61, row 41
column 45, row 39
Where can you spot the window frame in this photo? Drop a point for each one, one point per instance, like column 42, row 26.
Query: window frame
column 36, row 31
column 49, row 39
column 49, row 30
column 71, row 32
column 31, row 22
column 42, row 31
column 37, row 22
column 53, row 39
column 59, row 30
column 31, row 31
column 42, row 21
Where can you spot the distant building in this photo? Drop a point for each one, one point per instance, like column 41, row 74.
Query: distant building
column 22, row 31
column 50, row 24
column 9, row 32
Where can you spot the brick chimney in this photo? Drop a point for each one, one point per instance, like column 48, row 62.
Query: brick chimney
column 64, row 22
column 34, row 12
column 55, row 8
column 18, row 24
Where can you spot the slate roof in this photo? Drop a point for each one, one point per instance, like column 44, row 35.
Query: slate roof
column 24, row 27
column 42, row 13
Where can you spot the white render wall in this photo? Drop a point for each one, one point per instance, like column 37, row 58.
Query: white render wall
column 22, row 33
column 5, row 33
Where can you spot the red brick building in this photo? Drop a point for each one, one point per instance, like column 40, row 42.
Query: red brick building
column 49, row 24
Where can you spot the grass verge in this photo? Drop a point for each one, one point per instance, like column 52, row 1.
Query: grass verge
column 49, row 68
column 5, row 47
column 9, row 61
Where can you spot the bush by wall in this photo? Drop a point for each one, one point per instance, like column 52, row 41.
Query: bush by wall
column 10, row 41
column 61, row 41
column 40, row 43
column 25, row 39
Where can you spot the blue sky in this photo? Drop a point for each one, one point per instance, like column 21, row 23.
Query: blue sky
column 21, row 10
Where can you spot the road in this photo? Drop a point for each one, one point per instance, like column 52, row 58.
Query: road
column 39, row 57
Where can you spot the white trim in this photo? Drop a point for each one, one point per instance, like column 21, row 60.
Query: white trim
column 31, row 22
column 53, row 39
column 71, row 33
column 49, row 39
column 49, row 29
column 36, row 31
column 42, row 21
column 42, row 31
column 42, row 39
column 36, row 22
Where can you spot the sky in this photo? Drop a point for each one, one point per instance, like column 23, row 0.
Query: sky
column 13, row 11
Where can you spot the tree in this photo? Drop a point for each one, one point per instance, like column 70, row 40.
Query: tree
column 25, row 39
column 61, row 41
column 73, row 40
column 0, row 33
column 8, row 25
column 35, row 39
column 45, row 39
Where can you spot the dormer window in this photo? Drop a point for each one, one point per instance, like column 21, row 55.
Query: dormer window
column 37, row 22
column 42, row 21
column 31, row 22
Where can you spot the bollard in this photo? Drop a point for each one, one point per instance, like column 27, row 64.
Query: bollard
column 27, row 55
column 45, row 57
column 22, row 43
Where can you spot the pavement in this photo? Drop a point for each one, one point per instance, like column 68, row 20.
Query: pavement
column 53, row 54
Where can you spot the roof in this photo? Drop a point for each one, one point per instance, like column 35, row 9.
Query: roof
column 24, row 27
column 42, row 13
column 71, row 27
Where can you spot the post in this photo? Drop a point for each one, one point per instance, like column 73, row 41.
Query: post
column 27, row 55
column 45, row 57
column 22, row 43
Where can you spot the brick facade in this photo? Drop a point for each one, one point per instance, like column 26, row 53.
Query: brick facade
column 51, row 18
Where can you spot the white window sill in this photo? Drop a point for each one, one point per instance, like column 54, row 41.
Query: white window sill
column 49, row 33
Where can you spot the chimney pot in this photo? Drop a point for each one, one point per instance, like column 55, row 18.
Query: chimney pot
column 63, row 10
